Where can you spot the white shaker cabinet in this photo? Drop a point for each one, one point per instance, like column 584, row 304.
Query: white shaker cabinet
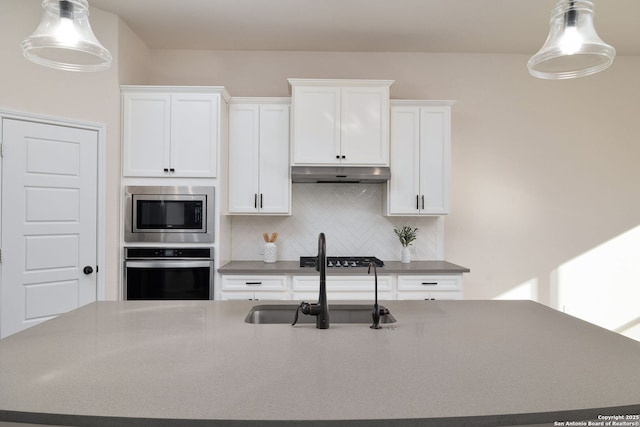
column 340, row 122
column 430, row 287
column 420, row 158
column 343, row 288
column 172, row 131
column 259, row 172
column 254, row 287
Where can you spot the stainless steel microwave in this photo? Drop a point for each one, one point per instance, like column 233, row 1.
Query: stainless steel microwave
column 178, row 214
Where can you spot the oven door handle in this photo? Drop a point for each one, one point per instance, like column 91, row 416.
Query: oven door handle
column 167, row 264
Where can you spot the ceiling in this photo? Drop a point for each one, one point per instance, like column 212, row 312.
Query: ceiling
column 459, row 26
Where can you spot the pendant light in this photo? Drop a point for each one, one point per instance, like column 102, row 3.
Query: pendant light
column 573, row 48
column 64, row 39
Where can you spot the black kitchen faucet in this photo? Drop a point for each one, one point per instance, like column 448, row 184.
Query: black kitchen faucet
column 377, row 311
column 321, row 308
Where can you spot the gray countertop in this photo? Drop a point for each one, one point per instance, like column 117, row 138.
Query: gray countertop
column 444, row 363
column 293, row 267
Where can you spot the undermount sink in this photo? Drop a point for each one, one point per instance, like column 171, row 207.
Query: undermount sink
column 343, row 313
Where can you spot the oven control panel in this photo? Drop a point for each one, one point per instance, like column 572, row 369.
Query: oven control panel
column 160, row 253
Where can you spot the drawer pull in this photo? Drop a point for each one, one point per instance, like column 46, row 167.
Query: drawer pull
column 252, row 283
column 430, row 283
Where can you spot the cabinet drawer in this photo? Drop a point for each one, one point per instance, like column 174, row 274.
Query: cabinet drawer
column 254, row 283
column 437, row 295
column 254, row 296
column 429, row 283
column 343, row 283
column 333, row 297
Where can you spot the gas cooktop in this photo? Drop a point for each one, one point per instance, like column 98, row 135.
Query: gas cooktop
column 342, row 261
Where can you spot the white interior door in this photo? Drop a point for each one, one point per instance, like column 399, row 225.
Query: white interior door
column 49, row 222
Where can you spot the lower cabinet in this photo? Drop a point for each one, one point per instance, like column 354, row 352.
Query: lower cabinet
column 343, row 288
column 430, row 287
column 255, row 287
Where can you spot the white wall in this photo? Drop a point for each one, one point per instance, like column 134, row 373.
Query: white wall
column 92, row 97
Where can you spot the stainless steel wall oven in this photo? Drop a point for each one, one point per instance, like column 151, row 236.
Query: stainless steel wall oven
column 178, row 214
column 168, row 273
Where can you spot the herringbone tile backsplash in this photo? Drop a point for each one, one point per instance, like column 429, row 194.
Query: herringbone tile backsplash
column 350, row 215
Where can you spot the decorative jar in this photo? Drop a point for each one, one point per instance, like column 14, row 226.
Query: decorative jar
column 270, row 252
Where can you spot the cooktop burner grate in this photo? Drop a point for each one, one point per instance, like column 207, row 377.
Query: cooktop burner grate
column 342, row 261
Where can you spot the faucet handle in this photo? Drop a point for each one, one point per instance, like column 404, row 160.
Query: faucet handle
column 377, row 315
column 305, row 307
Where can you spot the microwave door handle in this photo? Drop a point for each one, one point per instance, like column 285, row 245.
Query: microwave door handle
column 167, row 264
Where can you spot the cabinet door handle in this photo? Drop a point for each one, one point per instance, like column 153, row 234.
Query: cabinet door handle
column 172, row 170
column 166, row 169
column 423, row 202
column 252, row 283
column 255, row 200
column 430, row 283
column 260, row 200
column 344, row 157
column 337, row 157
column 417, row 202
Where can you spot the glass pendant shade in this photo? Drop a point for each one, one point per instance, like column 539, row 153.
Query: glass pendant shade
column 64, row 39
column 573, row 48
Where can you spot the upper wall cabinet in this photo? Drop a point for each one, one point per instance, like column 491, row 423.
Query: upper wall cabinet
column 420, row 158
column 171, row 131
column 340, row 122
column 259, row 173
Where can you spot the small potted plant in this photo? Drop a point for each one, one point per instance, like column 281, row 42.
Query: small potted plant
column 406, row 235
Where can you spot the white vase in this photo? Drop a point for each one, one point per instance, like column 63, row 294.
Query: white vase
column 406, row 255
column 270, row 252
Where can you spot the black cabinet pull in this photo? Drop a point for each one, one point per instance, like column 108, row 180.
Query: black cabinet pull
column 430, row 283
column 423, row 202
column 166, row 169
column 252, row 283
column 417, row 202
column 337, row 157
column 255, row 201
column 260, row 200
column 344, row 157
column 172, row 170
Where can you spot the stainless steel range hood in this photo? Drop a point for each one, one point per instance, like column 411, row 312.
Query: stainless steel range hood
column 340, row 174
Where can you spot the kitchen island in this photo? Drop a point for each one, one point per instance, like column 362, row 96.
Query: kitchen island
column 444, row 363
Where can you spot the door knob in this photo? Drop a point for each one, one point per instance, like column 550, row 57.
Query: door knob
column 87, row 269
